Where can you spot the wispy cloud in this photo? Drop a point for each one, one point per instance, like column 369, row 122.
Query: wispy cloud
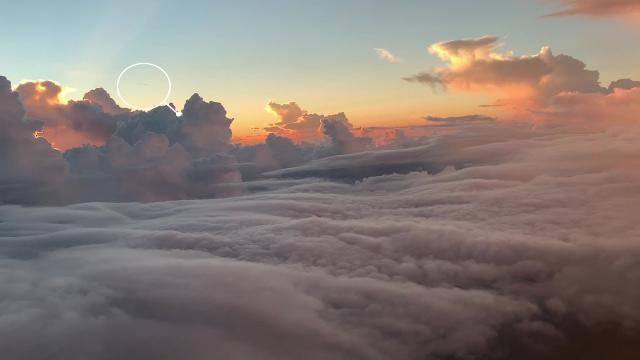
column 388, row 56
column 597, row 7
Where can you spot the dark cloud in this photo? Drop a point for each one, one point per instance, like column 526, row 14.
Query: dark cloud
column 284, row 151
column 624, row 84
column 156, row 156
column 433, row 80
column 342, row 138
column 30, row 170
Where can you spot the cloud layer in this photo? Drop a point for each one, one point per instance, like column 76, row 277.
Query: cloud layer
column 530, row 247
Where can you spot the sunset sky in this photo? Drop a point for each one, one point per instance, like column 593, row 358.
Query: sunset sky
column 338, row 180
column 319, row 54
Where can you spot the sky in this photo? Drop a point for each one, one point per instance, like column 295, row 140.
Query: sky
column 363, row 180
column 321, row 55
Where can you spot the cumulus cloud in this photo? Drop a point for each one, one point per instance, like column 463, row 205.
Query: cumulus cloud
column 101, row 97
column 527, row 249
column 284, row 151
column 597, row 7
column 299, row 125
column 475, row 65
column 30, row 169
column 156, row 156
column 387, row 56
column 128, row 156
column 343, row 139
column 67, row 124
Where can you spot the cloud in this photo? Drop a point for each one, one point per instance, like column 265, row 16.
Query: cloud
column 602, row 111
column 432, row 80
column 527, row 250
column 341, row 137
column 474, row 65
column 624, row 84
column 102, row 98
column 459, row 120
column 387, row 56
column 128, row 156
column 67, row 124
column 457, row 147
column 31, row 169
column 204, row 127
column 157, row 156
column 597, row 7
column 297, row 124
column 284, row 151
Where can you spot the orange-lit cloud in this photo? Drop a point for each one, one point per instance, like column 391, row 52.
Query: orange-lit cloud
column 597, row 7
column 297, row 124
column 66, row 124
column 475, row 65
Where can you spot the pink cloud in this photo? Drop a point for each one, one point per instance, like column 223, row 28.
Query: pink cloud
column 597, row 7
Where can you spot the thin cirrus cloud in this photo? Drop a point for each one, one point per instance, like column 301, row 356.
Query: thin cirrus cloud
column 388, row 56
column 597, row 7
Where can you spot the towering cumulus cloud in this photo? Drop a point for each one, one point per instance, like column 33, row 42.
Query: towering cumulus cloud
column 597, row 7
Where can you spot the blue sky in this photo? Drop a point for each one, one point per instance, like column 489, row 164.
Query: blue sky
column 317, row 53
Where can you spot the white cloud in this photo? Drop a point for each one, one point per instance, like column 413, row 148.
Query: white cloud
column 387, row 55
